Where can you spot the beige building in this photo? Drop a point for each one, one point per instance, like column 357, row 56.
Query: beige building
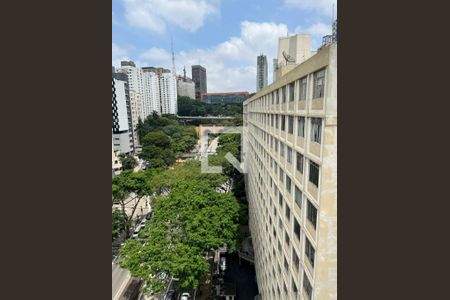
column 136, row 113
column 292, row 51
column 290, row 156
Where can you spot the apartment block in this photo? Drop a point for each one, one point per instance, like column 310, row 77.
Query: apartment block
column 290, row 156
column 168, row 93
column 261, row 72
column 123, row 140
column 199, row 78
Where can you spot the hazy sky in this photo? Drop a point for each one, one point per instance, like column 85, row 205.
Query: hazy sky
column 224, row 36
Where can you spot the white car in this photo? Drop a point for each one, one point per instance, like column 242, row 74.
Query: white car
column 185, row 296
column 136, row 232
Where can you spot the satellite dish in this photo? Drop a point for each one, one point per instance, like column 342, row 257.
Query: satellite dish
column 288, row 58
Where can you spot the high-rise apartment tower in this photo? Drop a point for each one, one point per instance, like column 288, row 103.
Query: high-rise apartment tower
column 261, row 72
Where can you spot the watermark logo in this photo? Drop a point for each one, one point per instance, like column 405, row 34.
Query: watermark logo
column 207, row 149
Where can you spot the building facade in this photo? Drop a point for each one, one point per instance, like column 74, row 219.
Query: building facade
column 224, row 98
column 289, row 154
column 136, row 113
column 185, row 87
column 199, row 78
column 261, row 72
column 168, row 93
column 292, row 51
column 123, row 140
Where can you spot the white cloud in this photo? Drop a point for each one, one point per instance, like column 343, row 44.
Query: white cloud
column 230, row 65
column 155, row 14
column 318, row 29
column 118, row 54
column 322, row 7
column 156, row 54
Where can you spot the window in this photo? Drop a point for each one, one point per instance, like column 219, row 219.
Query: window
column 288, row 184
column 319, row 82
column 297, row 229
column 301, row 127
column 296, row 262
column 303, row 82
column 286, row 238
column 288, row 213
column 273, row 96
column 298, row 197
column 281, row 149
column 280, row 200
column 277, row 96
column 281, row 176
column 309, row 251
column 289, row 155
column 300, row 160
column 283, row 94
column 283, row 123
column 279, row 246
column 291, row 91
column 314, row 173
column 291, row 124
column 280, row 224
column 316, row 128
column 307, row 286
column 286, row 267
column 276, row 145
column 311, row 214
column 276, row 121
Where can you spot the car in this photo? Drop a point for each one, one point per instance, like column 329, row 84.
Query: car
column 185, row 296
column 223, row 264
column 142, row 224
column 136, row 232
column 170, row 295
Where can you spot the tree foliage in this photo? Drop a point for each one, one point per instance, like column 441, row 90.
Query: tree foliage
column 192, row 219
column 128, row 161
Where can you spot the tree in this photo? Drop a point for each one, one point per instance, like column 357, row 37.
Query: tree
column 128, row 189
column 118, row 223
column 157, row 139
column 191, row 220
column 128, row 161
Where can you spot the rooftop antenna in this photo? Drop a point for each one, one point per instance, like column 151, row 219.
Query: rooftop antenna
column 173, row 57
column 332, row 14
column 184, row 71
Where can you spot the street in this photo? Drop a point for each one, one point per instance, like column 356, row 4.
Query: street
column 120, row 278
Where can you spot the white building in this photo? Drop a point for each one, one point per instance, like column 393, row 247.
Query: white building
column 157, row 89
column 136, row 113
column 168, row 93
column 123, row 140
column 185, row 88
column 292, row 51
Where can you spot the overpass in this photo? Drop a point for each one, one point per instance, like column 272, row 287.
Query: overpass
column 205, row 117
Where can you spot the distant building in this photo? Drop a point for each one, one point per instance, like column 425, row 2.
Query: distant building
column 199, row 78
column 185, row 87
column 230, row 97
column 275, row 68
column 157, row 91
column 261, row 72
column 136, row 113
column 158, row 71
column 168, row 93
column 123, row 140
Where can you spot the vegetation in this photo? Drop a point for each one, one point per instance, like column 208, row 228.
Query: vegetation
column 118, row 223
column 164, row 139
column 186, row 224
column 128, row 161
column 193, row 212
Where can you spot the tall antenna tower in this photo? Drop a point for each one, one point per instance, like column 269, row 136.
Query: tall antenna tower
column 173, row 57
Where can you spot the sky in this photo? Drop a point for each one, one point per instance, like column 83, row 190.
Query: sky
column 224, row 36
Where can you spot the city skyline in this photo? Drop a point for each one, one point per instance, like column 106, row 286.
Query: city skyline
column 224, row 37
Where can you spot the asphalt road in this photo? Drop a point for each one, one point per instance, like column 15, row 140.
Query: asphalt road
column 120, row 278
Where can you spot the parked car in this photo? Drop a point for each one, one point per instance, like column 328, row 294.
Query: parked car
column 170, row 295
column 185, row 296
column 142, row 224
column 223, row 264
column 136, row 232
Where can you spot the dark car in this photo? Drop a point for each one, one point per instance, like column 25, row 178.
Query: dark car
column 170, row 295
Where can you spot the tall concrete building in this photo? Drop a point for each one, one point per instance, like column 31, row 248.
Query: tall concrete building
column 289, row 154
column 168, row 93
column 185, row 88
column 261, row 72
column 136, row 113
column 199, row 78
column 275, row 68
column 154, row 86
column 123, row 140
